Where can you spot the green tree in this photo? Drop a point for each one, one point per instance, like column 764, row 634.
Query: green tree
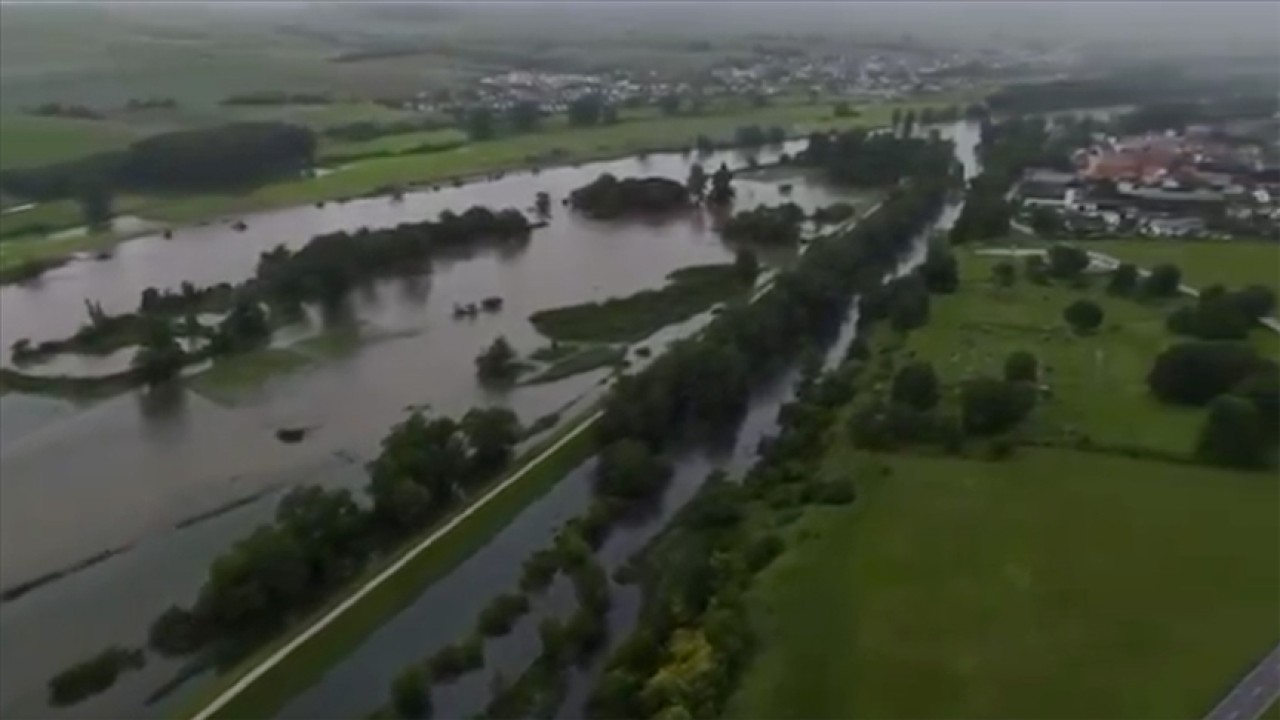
column 1003, row 274
column 1193, row 373
column 1163, row 281
column 1232, row 434
column 940, row 270
column 480, row 123
column 525, row 116
column 492, row 434
column 1124, row 279
column 697, row 183
column 1036, row 270
column 670, row 104
column 1021, row 366
column 721, row 186
column 95, row 204
column 498, row 362
column 990, row 406
column 628, row 469
column 1083, row 316
column 916, row 385
column 1067, row 262
column 410, row 694
column 1046, row 221
column 159, row 356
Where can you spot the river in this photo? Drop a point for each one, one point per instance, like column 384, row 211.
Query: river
column 120, row 475
column 446, row 611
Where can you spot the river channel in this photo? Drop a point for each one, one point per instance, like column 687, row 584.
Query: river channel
column 446, row 611
column 124, row 476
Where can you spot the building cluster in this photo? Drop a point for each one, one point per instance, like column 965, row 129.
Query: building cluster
column 869, row 76
column 1193, row 183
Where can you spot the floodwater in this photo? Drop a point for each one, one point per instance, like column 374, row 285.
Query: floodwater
column 121, row 474
column 446, row 611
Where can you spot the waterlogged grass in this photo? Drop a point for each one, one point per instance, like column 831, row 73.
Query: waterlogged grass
column 392, row 144
column 1054, row 584
column 308, row 665
column 231, row 379
column 1232, row 263
column 688, row 292
column 584, row 360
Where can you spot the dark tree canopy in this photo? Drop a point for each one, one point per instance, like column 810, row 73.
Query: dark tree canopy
column 1067, row 262
column 990, row 406
column 916, row 385
column 1233, row 434
column 722, row 191
column 1124, row 279
column 629, row 469
column 498, row 362
column 218, row 158
column 587, row 110
column 1163, row 281
column 608, row 197
column 940, row 270
column 480, row 123
column 525, row 116
column 1003, row 274
column 1083, row 316
column 410, row 693
column 1193, row 373
column 766, row 225
column 908, row 302
column 1021, row 366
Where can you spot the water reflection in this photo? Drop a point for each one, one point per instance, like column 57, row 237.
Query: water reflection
column 125, row 472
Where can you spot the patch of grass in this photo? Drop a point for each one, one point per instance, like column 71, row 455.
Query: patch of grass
column 1232, row 263
column 553, row 352
column 306, row 666
column 230, row 379
column 1054, row 584
column 1098, row 382
column 688, row 291
column 29, row 140
column 581, row 361
column 392, row 144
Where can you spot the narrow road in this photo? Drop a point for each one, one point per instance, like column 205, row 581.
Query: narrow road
column 1253, row 694
column 252, row 676
column 275, row 658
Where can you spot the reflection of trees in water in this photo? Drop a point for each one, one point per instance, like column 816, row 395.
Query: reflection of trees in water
column 414, row 288
column 336, row 312
column 163, row 409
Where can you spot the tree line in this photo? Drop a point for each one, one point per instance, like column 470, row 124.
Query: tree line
column 226, row 157
column 855, row 157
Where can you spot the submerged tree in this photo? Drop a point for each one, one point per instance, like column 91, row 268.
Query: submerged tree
column 721, row 186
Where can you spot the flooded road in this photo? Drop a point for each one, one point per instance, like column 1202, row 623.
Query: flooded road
column 120, row 475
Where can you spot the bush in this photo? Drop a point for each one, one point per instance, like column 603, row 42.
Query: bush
column 410, row 693
column 763, row 551
column 457, row 659
column 1083, row 316
column 1124, row 279
column 831, row 492
column 176, row 632
column 501, row 613
column 990, row 406
column 1021, row 366
column 940, row 270
column 1163, row 281
column 1193, row 373
column 1067, row 262
column 93, row 676
column 538, row 570
column 916, row 385
column 999, row 449
column 628, row 469
column 1232, row 434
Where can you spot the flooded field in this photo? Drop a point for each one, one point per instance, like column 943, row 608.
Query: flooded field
column 119, row 478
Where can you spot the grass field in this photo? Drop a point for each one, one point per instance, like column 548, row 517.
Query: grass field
column 228, row 380
column 1098, row 381
column 1203, row 263
column 304, row 667
column 1056, row 584
column 688, row 291
column 28, row 140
